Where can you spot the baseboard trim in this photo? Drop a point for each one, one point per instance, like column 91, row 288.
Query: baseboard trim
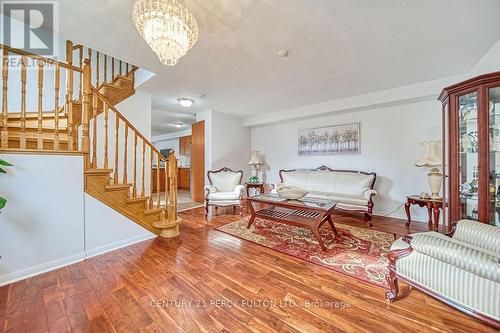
column 69, row 260
column 118, row 245
column 40, row 269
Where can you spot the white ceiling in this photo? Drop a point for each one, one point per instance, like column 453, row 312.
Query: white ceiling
column 338, row 48
column 162, row 120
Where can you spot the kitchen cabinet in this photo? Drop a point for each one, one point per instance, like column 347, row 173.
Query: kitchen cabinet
column 183, row 178
column 185, row 146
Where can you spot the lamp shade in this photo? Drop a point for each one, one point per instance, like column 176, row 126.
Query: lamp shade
column 432, row 154
column 254, row 158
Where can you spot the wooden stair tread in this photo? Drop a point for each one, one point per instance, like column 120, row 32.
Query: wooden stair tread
column 137, row 199
column 98, row 171
column 118, row 187
column 46, row 135
column 153, row 211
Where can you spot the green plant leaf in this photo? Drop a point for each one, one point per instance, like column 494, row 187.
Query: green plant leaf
column 2, row 202
column 5, row 163
column 2, row 171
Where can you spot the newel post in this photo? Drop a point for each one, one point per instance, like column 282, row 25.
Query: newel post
column 87, row 95
column 69, row 52
column 170, row 226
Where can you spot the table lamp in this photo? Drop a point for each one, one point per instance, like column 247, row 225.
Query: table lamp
column 432, row 159
column 255, row 162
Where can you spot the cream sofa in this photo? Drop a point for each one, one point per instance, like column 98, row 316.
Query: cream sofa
column 353, row 189
column 462, row 270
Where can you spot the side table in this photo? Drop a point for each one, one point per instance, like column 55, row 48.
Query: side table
column 259, row 186
column 433, row 207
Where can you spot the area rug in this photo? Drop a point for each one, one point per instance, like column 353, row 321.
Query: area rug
column 357, row 252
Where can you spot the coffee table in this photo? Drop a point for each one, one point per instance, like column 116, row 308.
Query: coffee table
column 305, row 213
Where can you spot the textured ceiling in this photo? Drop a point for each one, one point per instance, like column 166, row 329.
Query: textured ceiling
column 337, row 48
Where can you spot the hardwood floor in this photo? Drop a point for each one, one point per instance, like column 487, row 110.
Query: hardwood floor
column 208, row 281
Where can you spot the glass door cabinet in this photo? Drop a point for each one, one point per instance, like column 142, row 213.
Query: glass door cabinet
column 471, row 154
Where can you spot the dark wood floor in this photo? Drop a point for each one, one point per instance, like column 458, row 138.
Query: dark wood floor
column 132, row 289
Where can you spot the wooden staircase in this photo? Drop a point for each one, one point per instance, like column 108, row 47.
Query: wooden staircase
column 119, row 160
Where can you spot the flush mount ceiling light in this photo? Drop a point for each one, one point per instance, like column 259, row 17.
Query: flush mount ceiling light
column 177, row 124
column 185, row 102
column 167, row 26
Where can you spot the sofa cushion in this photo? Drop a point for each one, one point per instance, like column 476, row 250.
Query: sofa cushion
column 323, row 181
column 225, row 181
column 295, row 178
column 357, row 200
column 223, row 196
column 352, row 183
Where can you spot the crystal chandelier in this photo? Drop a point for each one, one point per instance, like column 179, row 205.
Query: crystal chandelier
column 167, row 26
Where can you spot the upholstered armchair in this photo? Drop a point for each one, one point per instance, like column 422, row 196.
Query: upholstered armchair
column 225, row 189
column 462, row 270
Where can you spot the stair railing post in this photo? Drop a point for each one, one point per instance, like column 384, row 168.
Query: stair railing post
column 22, row 133
column 87, row 95
column 4, row 134
column 169, row 227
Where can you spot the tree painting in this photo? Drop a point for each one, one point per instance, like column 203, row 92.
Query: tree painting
column 332, row 140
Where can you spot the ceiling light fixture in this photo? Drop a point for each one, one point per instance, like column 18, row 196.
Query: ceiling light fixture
column 185, row 102
column 167, row 26
column 177, row 124
column 283, row 53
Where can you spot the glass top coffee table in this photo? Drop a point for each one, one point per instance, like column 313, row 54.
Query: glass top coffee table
column 305, row 213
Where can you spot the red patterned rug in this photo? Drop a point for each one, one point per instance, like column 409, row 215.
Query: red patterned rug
column 357, row 252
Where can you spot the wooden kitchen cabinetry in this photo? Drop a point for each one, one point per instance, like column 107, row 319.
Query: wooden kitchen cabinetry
column 185, row 145
column 183, row 178
column 162, row 179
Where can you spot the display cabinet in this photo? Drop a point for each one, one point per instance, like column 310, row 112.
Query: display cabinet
column 471, row 154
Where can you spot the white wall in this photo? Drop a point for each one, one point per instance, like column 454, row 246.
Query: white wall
column 390, row 138
column 49, row 222
column 106, row 229
column 42, row 225
column 227, row 142
column 230, row 143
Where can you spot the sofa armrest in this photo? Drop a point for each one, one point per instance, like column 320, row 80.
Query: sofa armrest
column 368, row 194
column 239, row 189
column 275, row 186
column 209, row 189
column 458, row 254
column 478, row 234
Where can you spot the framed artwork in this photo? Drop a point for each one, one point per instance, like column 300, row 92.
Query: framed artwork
column 331, row 140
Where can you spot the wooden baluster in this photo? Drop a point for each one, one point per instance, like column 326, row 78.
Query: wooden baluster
column 87, row 93
column 117, row 126
column 94, row 132
column 81, row 75
column 126, row 70
column 151, row 178
column 89, row 54
column 22, row 131
column 40, row 106
column 166, row 185
column 97, row 69
column 56, row 106
column 143, row 189
column 69, row 52
column 69, row 107
column 106, row 161
column 112, row 69
column 120, row 67
column 134, row 188
column 125, row 155
column 105, row 68
column 158, row 169
column 4, row 141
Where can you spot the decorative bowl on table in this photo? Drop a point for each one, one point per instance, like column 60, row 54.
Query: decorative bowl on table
column 291, row 192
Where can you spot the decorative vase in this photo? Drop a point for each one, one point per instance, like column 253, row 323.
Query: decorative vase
column 435, row 179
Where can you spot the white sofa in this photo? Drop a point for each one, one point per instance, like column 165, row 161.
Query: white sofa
column 462, row 270
column 353, row 189
column 225, row 189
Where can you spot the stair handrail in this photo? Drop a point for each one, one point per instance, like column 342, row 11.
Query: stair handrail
column 68, row 93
